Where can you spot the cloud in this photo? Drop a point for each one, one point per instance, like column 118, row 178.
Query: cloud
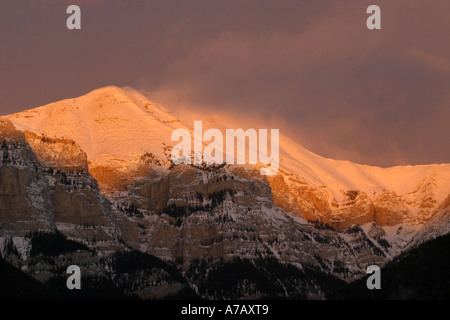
column 344, row 92
column 431, row 60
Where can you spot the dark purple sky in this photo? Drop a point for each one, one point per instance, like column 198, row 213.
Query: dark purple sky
column 309, row 67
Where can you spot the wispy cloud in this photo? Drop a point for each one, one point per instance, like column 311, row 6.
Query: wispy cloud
column 431, row 60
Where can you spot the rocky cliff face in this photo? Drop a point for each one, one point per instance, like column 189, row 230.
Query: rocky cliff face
column 187, row 214
column 25, row 201
column 356, row 207
column 57, row 153
column 45, row 183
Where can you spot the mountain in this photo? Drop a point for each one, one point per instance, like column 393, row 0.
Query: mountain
column 17, row 285
column 425, row 264
column 97, row 169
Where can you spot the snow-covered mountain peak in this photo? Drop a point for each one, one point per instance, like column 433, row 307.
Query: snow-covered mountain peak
column 117, row 126
column 107, row 123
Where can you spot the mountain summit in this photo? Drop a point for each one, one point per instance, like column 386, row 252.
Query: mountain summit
column 107, row 123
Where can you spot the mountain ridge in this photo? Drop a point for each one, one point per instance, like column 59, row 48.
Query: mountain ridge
column 293, row 156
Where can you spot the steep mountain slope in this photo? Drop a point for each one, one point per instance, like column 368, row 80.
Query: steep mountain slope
column 52, row 215
column 25, row 201
column 318, row 215
column 44, row 184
